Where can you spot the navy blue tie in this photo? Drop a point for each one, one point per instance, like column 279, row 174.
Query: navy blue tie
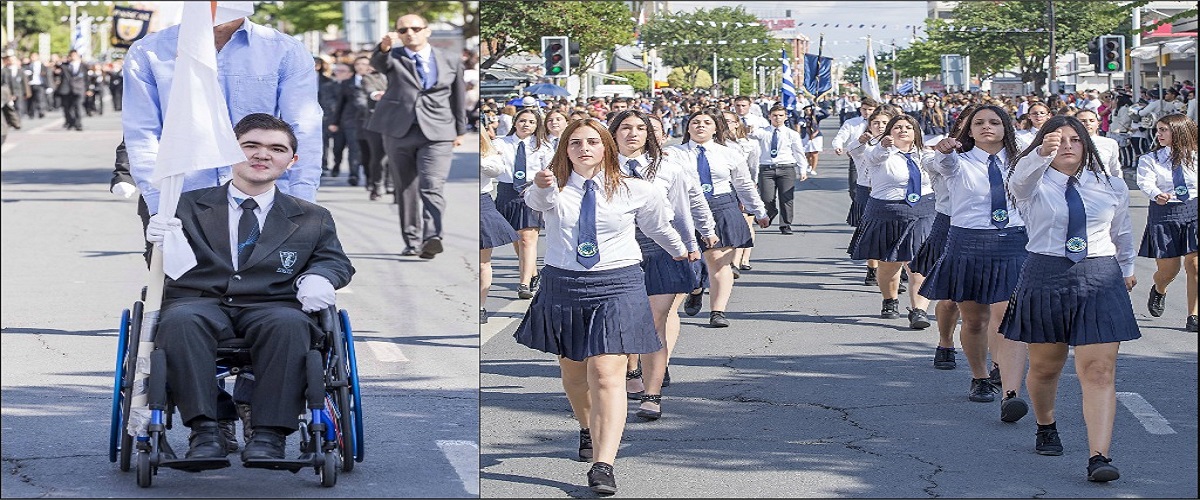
column 519, row 172
column 1076, row 223
column 1181, row 190
column 633, row 165
column 774, row 143
column 587, row 252
column 706, row 182
column 999, row 202
column 912, row 193
column 248, row 231
column 421, row 71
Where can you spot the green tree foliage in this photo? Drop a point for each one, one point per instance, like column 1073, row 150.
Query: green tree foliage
column 681, row 78
column 720, row 24
column 883, row 70
column 300, row 17
column 637, row 79
column 922, row 58
column 32, row 18
column 510, row 27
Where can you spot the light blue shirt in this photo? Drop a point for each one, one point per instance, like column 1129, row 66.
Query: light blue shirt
column 260, row 70
column 427, row 63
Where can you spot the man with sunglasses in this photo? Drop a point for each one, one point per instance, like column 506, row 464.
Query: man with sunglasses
column 422, row 117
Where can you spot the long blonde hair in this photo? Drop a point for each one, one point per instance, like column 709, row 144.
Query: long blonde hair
column 485, row 147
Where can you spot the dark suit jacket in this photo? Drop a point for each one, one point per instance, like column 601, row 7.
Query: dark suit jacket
column 72, row 83
column 353, row 105
column 440, row 111
column 18, row 85
column 298, row 238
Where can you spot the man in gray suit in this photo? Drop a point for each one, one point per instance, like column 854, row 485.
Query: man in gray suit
column 422, row 117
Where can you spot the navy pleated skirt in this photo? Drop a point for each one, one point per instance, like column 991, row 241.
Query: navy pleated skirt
column 732, row 228
column 512, row 206
column 979, row 265
column 933, row 247
column 664, row 274
column 493, row 229
column 1170, row 230
column 579, row 314
column 1059, row 301
column 861, row 194
column 892, row 230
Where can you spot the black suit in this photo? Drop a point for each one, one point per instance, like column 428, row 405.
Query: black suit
column 37, row 101
column 212, row 301
column 71, row 88
column 18, row 85
column 116, row 86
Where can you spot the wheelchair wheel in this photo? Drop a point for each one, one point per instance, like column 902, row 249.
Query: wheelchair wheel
column 354, row 388
column 144, row 473
column 114, row 426
column 329, row 470
column 128, row 373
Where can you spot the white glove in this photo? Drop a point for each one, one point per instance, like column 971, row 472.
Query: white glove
column 160, row 225
column 315, row 292
column 123, row 189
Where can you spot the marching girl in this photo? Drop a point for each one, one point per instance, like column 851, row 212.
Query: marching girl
column 876, row 123
column 1036, row 115
column 809, row 126
column 556, row 122
column 525, row 152
column 1167, row 174
column 1109, row 151
column 725, row 181
column 737, row 133
column 984, row 251
column 667, row 280
column 1073, row 289
column 899, row 215
column 494, row 230
column 593, row 311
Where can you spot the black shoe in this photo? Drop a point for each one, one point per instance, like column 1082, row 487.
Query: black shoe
column 630, row 375
column 994, row 376
column 692, row 305
column 982, row 391
column 524, row 292
column 267, row 444
column 891, row 309
column 585, row 445
column 601, row 479
column 409, row 251
column 737, row 273
column 1193, row 323
column 717, row 319
column 335, row 172
column 918, row 319
column 1012, row 408
column 650, row 414
column 901, row 288
column 229, row 432
column 785, row 230
column 1156, row 302
column 1048, row 442
column 353, row 180
column 483, row 315
column 431, row 248
column 206, row 441
column 1100, row 469
column 535, row 282
column 745, row 267
column 872, row 278
column 943, row 358
column 666, row 377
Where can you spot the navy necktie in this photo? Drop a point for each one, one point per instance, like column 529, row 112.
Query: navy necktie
column 248, row 231
column 706, row 182
column 633, row 165
column 774, row 142
column 999, row 202
column 587, row 252
column 1076, row 223
column 912, row 193
column 1181, row 190
column 519, row 172
column 421, row 71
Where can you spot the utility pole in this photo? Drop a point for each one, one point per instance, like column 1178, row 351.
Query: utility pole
column 895, row 76
column 714, row 73
column 1053, row 84
column 1136, row 81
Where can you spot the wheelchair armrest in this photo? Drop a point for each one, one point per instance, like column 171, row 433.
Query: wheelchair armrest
column 328, row 318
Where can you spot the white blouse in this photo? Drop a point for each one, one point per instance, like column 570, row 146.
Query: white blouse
column 1154, row 175
column 684, row 197
column 970, row 188
column 490, row 167
column 729, row 172
column 856, row 150
column 1110, row 154
column 637, row 202
column 535, row 159
column 1040, row 192
column 888, row 171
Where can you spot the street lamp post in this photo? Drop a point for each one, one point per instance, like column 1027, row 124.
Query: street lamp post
column 754, row 65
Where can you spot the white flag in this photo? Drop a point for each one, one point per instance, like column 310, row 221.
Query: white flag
column 870, row 79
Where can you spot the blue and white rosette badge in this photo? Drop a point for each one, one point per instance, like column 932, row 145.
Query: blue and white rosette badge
column 1000, row 215
column 707, row 188
column 586, row 249
column 1180, row 190
column 914, row 197
column 519, row 175
column 1076, row 245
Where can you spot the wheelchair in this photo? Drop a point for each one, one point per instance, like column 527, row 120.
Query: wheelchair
column 331, row 434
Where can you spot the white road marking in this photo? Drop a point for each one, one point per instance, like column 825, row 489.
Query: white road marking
column 498, row 324
column 386, row 351
column 464, row 456
column 1150, row 418
column 37, row 130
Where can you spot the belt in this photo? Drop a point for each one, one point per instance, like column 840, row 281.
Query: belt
column 781, row 165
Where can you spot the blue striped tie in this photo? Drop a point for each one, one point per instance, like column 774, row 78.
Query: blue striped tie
column 587, row 252
column 912, row 193
column 999, row 202
column 706, row 182
column 1181, row 189
column 519, row 173
column 248, row 231
column 1076, row 223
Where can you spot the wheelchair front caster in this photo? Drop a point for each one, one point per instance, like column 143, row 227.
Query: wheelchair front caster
column 144, row 472
column 329, row 469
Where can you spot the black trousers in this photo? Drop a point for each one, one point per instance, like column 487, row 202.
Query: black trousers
column 72, row 105
column 370, row 150
column 853, row 174
column 37, row 102
column 117, row 93
column 419, row 170
column 280, row 336
column 777, row 183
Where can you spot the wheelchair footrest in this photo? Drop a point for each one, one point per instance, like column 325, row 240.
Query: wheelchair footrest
column 196, row 464
column 291, row 465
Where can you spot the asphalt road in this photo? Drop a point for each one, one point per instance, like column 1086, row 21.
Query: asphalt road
column 72, row 261
column 810, row 394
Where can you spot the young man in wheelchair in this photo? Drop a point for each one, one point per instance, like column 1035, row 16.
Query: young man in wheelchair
column 264, row 260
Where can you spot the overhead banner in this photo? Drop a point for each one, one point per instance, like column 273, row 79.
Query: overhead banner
column 129, row 25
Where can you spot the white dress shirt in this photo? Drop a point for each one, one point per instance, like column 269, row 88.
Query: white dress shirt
column 638, row 202
column 1110, row 154
column 888, row 171
column 1025, row 137
column 790, row 148
column 1040, row 192
column 236, row 197
column 535, row 159
column 750, row 154
column 696, row 204
column 856, row 150
column 970, row 188
column 729, row 172
column 1154, row 175
column 754, row 121
column 847, row 136
column 683, row 194
column 490, row 167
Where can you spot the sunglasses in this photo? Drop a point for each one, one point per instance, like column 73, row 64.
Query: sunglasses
column 415, row 29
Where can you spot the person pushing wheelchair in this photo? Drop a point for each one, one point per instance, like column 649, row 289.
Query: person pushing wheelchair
column 264, row 260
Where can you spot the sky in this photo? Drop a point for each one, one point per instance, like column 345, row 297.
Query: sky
column 840, row 43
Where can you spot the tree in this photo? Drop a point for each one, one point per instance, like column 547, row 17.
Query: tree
column 302, row 17
column 743, row 39
column 883, row 71
column 637, row 79
column 509, row 27
column 922, row 58
column 32, row 18
column 681, row 78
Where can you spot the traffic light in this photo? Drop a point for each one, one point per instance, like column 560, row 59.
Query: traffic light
column 572, row 55
column 555, row 51
column 1094, row 54
column 1112, row 54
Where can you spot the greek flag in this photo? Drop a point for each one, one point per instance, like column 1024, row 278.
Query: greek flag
column 789, row 88
column 908, row 87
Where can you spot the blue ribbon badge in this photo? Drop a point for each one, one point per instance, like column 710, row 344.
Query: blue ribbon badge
column 1076, row 244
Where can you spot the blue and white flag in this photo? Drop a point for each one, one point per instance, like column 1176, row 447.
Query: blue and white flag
column 908, row 87
column 788, row 87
